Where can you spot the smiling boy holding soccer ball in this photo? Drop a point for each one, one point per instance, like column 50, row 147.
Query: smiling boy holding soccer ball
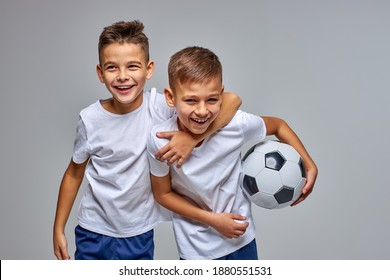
column 211, row 215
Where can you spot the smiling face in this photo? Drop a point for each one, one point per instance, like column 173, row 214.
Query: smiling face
column 197, row 105
column 124, row 70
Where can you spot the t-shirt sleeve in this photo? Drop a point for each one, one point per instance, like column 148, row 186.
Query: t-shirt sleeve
column 157, row 168
column 158, row 105
column 80, row 148
column 253, row 127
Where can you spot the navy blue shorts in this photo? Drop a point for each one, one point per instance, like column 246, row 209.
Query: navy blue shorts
column 95, row 246
column 248, row 252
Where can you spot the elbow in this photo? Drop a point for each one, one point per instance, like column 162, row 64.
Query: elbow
column 237, row 100
column 160, row 198
column 157, row 197
column 274, row 125
column 233, row 99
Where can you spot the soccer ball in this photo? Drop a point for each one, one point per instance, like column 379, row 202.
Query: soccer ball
column 274, row 174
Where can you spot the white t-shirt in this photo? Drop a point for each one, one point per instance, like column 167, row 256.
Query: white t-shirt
column 211, row 179
column 118, row 201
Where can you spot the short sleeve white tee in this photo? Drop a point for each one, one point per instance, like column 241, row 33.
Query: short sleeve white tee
column 118, row 201
column 211, row 179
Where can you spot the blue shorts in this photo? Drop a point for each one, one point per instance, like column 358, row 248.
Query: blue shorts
column 248, row 252
column 95, row 246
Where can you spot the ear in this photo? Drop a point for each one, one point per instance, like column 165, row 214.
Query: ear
column 169, row 97
column 99, row 73
column 222, row 89
column 149, row 69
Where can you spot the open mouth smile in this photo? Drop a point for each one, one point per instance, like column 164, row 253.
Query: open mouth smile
column 200, row 121
column 124, row 89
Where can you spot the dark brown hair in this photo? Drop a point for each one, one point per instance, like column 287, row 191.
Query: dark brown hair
column 193, row 65
column 124, row 32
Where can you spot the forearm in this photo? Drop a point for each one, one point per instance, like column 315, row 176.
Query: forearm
column 183, row 207
column 66, row 198
column 69, row 187
column 224, row 223
column 281, row 130
column 165, row 196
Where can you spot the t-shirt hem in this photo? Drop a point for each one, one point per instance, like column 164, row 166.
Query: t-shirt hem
column 224, row 253
column 121, row 234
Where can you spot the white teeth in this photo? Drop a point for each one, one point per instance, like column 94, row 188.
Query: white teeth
column 123, row 87
column 200, row 120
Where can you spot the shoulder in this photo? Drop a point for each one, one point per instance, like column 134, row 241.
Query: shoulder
column 158, row 107
column 90, row 110
column 167, row 125
column 242, row 118
column 154, row 142
column 153, row 97
column 246, row 125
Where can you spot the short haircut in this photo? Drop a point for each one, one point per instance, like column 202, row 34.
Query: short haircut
column 124, row 32
column 193, row 65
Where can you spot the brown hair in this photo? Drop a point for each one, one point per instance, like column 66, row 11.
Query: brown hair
column 124, row 32
column 193, row 65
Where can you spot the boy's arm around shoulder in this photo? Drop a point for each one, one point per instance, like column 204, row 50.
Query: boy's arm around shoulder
column 69, row 187
column 181, row 143
column 282, row 131
column 231, row 102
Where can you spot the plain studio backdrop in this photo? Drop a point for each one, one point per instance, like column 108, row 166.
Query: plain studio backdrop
column 323, row 66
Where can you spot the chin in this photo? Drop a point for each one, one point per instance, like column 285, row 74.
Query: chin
column 198, row 131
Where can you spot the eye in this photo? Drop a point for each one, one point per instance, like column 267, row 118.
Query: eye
column 133, row 67
column 213, row 100
column 190, row 101
column 110, row 67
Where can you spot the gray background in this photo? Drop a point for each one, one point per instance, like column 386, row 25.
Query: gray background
column 323, row 66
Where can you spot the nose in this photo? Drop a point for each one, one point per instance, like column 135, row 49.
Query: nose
column 122, row 76
column 201, row 109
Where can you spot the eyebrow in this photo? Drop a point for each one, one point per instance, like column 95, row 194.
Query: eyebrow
column 129, row 62
column 197, row 96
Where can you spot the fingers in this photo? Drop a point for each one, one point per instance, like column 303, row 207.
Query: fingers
column 173, row 159
column 302, row 197
column 170, row 157
column 180, row 162
column 162, row 153
column 167, row 154
column 234, row 234
column 231, row 225
column 164, row 150
column 307, row 188
column 237, row 233
column 299, row 200
column 165, row 134
column 240, row 225
column 58, row 255
column 178, row 149
column 66, row 257
column 238, row 217
column 61, row 255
